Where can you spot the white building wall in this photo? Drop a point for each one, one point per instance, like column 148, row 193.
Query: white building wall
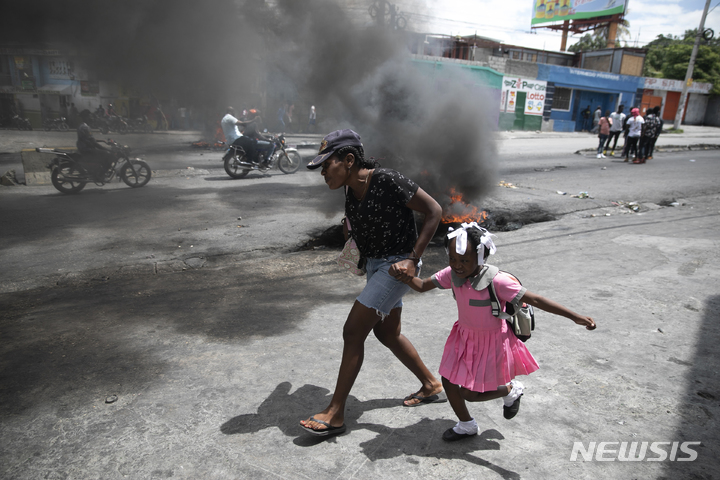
column 696, row 107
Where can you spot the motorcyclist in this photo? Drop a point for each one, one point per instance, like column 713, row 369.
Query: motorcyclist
column 91, row 149
column 254, row 142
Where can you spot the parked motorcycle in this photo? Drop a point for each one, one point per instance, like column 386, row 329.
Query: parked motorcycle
column 141, row 125
column 117, row 124
column 56, row 124
column 21, row 123
column 237, row 164
column 71, row 171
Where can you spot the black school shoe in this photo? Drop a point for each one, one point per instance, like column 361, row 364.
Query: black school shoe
column 512, row 410
column 451, row 435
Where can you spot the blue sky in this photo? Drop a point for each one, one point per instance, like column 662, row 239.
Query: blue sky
column 509, row 20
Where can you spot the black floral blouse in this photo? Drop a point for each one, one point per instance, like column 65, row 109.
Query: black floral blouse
column 381, row 223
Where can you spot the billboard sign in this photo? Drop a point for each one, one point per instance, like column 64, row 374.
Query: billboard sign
column 547, row 11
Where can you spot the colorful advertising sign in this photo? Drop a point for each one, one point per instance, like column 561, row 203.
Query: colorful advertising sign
column 547, row 11
column 534, row 95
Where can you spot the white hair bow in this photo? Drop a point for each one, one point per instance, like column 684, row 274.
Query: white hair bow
column 460, row 236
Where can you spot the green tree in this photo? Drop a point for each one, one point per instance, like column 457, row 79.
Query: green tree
column 598, row 39
column 668, row 57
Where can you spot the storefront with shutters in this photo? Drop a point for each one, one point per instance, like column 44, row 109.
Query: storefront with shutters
column 666, row 93
column 573, row 90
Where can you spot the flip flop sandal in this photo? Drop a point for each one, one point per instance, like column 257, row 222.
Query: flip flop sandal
column 437, row 398
column 325, row 432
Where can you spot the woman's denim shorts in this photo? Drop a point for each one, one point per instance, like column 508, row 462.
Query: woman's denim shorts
column 382, row 291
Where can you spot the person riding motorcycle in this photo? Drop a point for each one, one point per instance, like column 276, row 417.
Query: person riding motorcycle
column 252, row 141
column 91, row 149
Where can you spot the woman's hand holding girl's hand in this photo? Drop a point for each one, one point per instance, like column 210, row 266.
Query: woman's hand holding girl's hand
column 588, row 322
column 404, row 270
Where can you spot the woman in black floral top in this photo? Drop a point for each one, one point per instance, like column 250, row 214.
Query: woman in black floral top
column 379, row 205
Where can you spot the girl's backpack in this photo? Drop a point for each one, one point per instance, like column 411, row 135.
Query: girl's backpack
column 521, row 319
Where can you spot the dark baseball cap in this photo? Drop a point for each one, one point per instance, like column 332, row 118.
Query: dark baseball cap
column 333, row 142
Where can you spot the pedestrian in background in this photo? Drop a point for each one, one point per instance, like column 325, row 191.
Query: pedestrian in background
column 634, row 127
column 616, row 127
column 596, row 119
column 660, row 125
column 604, row 132
column 289, row 117
column 586, row 114
column 312, row 120
column 281, row 118
column 646, row 133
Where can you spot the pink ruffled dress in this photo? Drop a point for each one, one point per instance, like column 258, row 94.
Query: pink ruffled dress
column 481, row 353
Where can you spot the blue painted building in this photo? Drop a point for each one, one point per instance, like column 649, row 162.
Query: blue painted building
column 572, row 90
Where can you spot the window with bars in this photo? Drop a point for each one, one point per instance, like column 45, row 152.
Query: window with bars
column 562, row 99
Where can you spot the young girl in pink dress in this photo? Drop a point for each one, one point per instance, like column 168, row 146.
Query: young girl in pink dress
column 482, row 356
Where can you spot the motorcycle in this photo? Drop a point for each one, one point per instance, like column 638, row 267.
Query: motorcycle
column 71, row 171
column 21, row 123
column 117, row 124
column 140, row 124
column 237, row 164
column 55, row 124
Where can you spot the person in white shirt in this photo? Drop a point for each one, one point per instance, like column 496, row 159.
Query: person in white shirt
column 634, row 126
column 229, row 126
column 618, row 119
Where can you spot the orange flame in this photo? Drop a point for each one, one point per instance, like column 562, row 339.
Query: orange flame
column 458, row 211
column 218, row 138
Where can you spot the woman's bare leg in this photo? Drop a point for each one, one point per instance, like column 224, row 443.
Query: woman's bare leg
column 357, row 327
column 388, row 332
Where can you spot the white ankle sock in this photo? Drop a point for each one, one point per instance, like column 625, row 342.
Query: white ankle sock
column 468, row 428
column 516, row 389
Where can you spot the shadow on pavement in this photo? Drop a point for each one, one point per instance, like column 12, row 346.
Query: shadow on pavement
column 67, row 345
column 699, row 410
column 284, row 411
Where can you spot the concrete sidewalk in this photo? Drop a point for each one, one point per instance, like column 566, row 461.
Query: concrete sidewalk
column 205, row 373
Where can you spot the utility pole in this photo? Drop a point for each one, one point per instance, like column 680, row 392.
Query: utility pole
column 691, row 65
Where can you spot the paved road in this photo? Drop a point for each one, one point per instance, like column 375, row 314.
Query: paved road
column 213, row 356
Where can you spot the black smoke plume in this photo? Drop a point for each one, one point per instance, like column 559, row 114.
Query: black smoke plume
column 436, row 128
column 433, row 125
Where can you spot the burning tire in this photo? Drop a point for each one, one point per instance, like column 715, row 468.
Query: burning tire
column 233, row 167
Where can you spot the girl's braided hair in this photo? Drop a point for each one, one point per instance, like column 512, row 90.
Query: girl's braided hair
column 359, row 155
column 474, row 236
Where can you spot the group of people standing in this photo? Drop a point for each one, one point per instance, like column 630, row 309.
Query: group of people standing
column 640, row 133
column 482, row 357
